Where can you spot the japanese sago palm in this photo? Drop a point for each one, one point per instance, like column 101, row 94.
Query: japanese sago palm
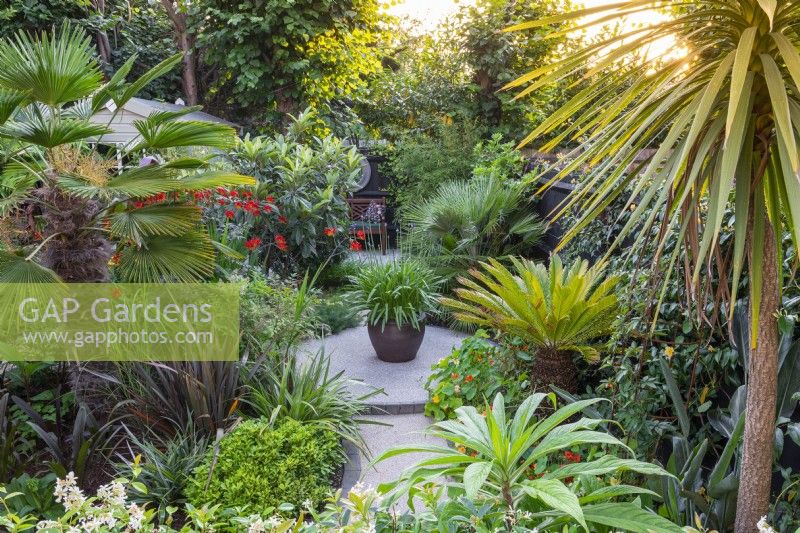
column 722, row 112
column 66, row 205
column 557, row 311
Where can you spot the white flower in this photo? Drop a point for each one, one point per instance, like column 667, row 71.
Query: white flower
column 256, row 525
column 112, row 494
column 308, row 504
column 89, row 525
column 48, row 524
column 136, row 517
column 272, row 522
column 763, row 526
column 106, row 518
column 68, row 493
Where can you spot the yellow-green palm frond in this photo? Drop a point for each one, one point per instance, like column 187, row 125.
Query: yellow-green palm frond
column 557, row 308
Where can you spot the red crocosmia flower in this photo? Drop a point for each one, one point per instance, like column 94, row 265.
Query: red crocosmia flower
column 237, row 205
column 329, row 232
column 221, row 201
column 138, row 205
column 253, row 243
column 252, row 207
column 229, row 214
column 234, row 194
column 453, row 376
column 247, row 194
column 198, row 195
column 469, row 378
column 282, row 219
column 37, row 235
column 572, row 457
column 271, row 199
column 356, row 246
column 222, row 191
column 280, row 242
column 361, row 235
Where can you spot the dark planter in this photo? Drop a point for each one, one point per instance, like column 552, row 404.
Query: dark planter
column 396, row 345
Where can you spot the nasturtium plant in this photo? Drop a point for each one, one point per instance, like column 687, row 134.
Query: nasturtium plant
column 473, row 373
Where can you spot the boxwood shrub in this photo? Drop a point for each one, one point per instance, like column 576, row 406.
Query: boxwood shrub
column 264, row 466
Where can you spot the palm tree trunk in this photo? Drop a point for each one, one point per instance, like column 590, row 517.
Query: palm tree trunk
column 759, row 429
column 555, row 367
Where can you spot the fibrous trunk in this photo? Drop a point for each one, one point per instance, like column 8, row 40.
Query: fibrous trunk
column 762, row 371
column 76, row 254
column 555, row 367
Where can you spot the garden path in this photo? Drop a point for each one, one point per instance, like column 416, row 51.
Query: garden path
column 400, row 409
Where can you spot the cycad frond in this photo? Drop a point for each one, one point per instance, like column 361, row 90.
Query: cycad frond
column 555, row 308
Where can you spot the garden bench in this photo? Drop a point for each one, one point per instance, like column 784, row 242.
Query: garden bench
column 369, row 215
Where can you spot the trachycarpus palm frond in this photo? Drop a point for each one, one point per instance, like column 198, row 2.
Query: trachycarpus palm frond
column 556, row 310
column 463, row 223
column 724, row 119
column 77, row 203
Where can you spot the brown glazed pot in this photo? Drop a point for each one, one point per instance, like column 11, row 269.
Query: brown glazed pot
column 396, row 345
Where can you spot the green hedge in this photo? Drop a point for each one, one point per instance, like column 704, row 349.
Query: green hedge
column 263, row 466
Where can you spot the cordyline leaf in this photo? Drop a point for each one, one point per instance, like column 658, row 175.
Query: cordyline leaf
column 745, row 72
column 769, row 7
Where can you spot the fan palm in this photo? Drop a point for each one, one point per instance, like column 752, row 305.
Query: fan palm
column 463, row 223
column 556, row 310
column 69, row 208
column 724, row 118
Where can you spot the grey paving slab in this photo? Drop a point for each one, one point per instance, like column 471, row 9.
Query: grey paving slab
column 402, row 383
column 404, row 430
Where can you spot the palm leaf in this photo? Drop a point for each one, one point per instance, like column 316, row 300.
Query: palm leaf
column 155, row 220
column 188, row 258
column 18, row 269
column 158, row 133
column 52, row 68
column 38, row 126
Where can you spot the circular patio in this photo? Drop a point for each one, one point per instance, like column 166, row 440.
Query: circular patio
column 403, row 383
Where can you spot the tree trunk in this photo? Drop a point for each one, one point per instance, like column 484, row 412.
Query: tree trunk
column 554, row 367
column 185, row 42
column 759, row 430
column 103, row 44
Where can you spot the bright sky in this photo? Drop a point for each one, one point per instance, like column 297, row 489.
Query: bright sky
column 430, row 12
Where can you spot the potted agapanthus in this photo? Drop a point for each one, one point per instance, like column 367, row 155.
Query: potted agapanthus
column 396, row 295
